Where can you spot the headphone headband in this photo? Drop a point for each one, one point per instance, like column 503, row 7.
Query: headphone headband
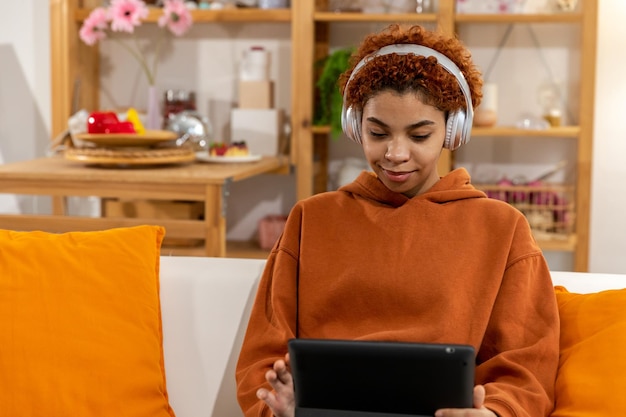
column 347, row 114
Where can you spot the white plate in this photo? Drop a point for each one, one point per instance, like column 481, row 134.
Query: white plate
column 205, row 157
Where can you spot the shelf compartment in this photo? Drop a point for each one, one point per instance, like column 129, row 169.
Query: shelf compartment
column 224, row 15
column 548, row 207
column 373, row 17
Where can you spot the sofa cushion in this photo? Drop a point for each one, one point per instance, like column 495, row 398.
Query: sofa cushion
column 592, row 360
column 80, row 324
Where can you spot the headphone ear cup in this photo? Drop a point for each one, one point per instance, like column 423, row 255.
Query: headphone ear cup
column 454, row 130
column 355, row 119
column 351, row 124
column 448, row 142
column 345, row 125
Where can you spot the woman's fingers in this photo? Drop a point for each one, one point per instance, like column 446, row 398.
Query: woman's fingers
column 479, row 396
column 282, row 373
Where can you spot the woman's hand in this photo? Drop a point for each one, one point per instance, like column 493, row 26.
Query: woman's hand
column 281, row 400
column 479, row 409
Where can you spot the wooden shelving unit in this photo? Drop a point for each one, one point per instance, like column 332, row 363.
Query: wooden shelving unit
column 313, row 141
column 586, row 19
column 310, row 22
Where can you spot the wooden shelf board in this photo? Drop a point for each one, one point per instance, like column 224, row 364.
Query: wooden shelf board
column 225, row 15
column 321, row 130
column 566, row 244
column 284, row 15
column 373, row 17
column 508, row 131
column 574, row 17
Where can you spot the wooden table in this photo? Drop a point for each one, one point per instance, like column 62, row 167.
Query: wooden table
column 60, row 178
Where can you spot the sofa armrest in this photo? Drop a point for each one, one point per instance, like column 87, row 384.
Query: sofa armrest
column 587, row 282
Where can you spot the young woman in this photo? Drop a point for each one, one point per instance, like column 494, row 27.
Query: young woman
column 403, row 254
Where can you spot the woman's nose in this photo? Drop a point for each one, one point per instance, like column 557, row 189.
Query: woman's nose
column 397, row 151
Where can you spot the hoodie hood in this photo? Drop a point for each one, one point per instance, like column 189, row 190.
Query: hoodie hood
column 454, row 186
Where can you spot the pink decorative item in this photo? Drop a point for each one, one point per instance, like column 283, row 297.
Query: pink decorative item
column 153, row 111
column 125, row 16
column 175, row 17
column 270, row 229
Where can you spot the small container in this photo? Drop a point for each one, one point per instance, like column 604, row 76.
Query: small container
column 553, row 116
column 423, row 6
column 273, row 4
column 254, row 65
column 550, row 101
column 176, row 101
column 486, row 115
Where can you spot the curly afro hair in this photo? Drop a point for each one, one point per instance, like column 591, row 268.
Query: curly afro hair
column 403, row 73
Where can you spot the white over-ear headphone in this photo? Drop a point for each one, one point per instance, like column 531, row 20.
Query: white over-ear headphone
column 459, row 122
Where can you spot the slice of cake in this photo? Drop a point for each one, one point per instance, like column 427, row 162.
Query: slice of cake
column 233, row 149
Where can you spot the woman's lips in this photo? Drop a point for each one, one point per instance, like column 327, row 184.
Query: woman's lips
column 397, row 176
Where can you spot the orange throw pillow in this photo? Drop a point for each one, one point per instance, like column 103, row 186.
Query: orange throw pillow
column 592, row 362
column 80, row 324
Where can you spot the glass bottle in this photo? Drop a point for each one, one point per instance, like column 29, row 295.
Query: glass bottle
column 423, row 6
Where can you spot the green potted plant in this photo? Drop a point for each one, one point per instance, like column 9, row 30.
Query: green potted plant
column 328, row 107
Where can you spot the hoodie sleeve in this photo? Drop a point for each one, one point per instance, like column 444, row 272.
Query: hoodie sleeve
column 519, row 356
column 272, row 320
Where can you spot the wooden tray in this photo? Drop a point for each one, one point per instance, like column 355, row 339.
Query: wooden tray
column 130, row 157
column 116, row 140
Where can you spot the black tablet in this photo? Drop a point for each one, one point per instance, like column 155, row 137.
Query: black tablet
column 350, row 378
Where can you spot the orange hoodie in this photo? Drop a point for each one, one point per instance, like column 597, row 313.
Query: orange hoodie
column 447, row 266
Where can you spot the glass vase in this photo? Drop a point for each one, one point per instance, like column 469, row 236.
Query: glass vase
column 153, row 112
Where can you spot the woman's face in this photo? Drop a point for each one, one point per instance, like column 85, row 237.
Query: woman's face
column 402, row 139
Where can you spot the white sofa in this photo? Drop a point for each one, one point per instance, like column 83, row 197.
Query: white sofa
column 205, row 305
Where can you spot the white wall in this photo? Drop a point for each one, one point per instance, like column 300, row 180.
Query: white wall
column 24, row 84
column 25, row 113
column 608, row 203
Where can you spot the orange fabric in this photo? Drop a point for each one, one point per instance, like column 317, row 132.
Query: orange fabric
column 592, row 362
column 449, row 265
column 80, row 324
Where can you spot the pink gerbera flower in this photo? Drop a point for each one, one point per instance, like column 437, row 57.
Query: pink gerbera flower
column 95, row 26
column 176, row 17
column 126, row 14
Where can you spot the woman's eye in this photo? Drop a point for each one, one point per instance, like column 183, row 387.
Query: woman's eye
column 377, row 134
column 420, row 138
